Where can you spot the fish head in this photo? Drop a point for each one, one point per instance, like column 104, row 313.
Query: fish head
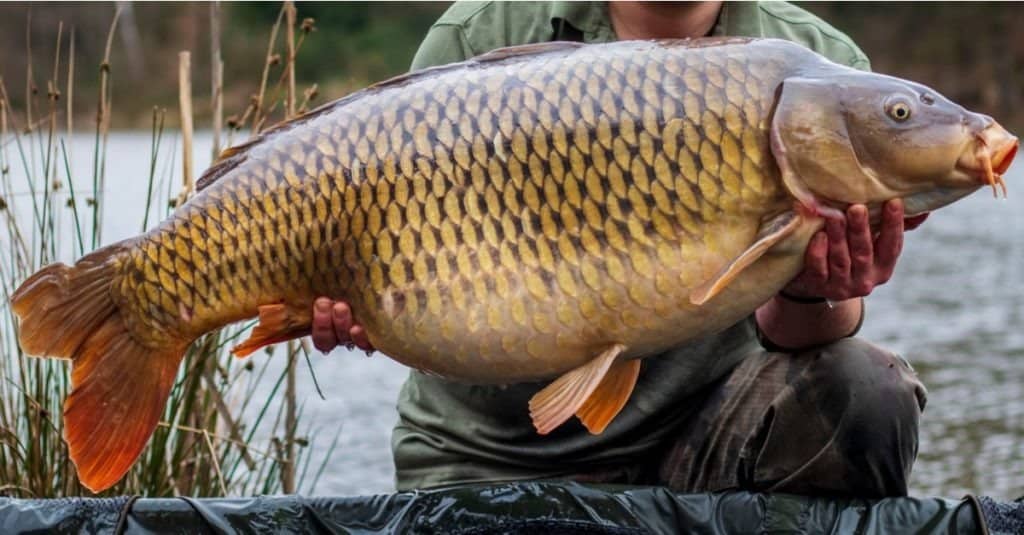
column 857, row 137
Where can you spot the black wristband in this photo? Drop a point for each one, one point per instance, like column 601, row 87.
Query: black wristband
column 802, row 300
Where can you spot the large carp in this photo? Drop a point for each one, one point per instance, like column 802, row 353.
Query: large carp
column 553, row 211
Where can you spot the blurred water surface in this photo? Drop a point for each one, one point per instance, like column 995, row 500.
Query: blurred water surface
column 954, row 308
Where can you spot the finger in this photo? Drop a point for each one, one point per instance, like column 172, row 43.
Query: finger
column 838, row 256
column 890, row 240
column 858, row 235
column 323, row 334
column 812, row 279
column 360, row 339
column 342, row 320
column 911, row 223
column 816, row 260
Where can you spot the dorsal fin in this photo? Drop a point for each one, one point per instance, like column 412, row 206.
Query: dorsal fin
column 704, row 42
column 496, row 55
column 226, row 161
column 230, row 157
column 532, row 49
column 233, row 156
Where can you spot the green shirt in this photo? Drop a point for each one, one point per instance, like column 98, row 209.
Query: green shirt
column 468, row 29
column 451, row 433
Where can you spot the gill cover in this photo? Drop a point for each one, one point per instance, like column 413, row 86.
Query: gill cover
column 812, row 147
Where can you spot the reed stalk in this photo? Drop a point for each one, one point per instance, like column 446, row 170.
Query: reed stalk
column 288, row 467
column 217, row 435
column 290, row 422
column 259, row 113
column 185, row 108
column 289, row 11
column 216, row 79
column 102, row 134
column 70, row 87
column 30, row 88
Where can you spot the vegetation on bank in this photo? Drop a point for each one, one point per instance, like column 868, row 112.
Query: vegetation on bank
column 971, row 52
column 217, row 435
column 355, row 43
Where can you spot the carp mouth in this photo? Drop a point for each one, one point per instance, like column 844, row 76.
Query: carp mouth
column 992, row 154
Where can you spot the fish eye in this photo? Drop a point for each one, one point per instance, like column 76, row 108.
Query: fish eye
column 898, row 109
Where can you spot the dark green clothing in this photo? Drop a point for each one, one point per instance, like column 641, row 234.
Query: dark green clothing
column 468, row 29
column 452, row 433
column 841, row 419
column 455, row 433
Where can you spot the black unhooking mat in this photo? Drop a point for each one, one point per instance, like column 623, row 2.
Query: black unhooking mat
column 533, row 508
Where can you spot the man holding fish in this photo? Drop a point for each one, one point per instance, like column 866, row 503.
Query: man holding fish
column 814, row 411
column 621, row 220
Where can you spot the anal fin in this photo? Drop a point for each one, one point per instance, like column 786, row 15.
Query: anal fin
column 278, row 323
column 771, row 233
column 570, row 393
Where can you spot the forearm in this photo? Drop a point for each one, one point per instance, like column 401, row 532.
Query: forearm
column 793, row 325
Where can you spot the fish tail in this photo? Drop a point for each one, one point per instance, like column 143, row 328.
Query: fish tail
column 119, row 386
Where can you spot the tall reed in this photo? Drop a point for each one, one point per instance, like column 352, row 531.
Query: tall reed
column 216, row 436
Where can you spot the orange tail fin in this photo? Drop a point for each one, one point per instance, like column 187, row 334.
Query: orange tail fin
column 119, row 386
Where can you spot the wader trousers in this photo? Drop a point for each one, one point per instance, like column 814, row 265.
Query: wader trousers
column 838, row 420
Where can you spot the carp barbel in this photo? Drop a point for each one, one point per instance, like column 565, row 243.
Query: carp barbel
column 552, row 211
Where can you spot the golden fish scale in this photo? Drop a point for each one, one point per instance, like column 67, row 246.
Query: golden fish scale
column 498, row 222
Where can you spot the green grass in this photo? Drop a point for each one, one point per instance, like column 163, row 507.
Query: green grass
column 208, row 440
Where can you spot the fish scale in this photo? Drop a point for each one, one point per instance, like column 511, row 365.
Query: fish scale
column 553, row 211
column 536, row 201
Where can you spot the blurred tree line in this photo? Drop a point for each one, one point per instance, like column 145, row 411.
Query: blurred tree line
column 972, row 52
column 352, row 45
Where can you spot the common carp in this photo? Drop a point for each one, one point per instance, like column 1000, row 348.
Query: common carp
column 552, row 211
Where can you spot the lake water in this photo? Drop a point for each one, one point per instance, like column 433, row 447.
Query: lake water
column 955, row 309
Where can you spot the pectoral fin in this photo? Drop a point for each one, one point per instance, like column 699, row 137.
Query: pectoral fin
column 595, row 391
column 771, row 233
column 278, row 323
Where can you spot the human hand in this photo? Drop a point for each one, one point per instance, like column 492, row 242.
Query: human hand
column 845, row 260
column 333, row 326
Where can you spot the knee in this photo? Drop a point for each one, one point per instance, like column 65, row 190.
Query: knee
column 856, row 408
column 867, row 384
